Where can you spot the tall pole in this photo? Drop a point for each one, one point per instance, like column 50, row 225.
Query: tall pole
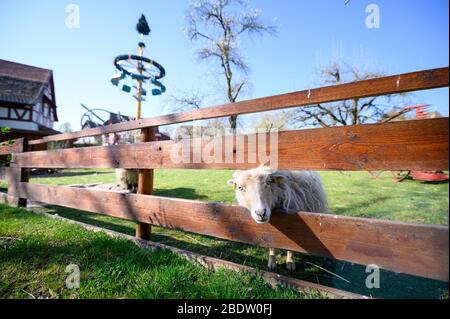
column 145, row 180
column 139, row 93
column 139, row 87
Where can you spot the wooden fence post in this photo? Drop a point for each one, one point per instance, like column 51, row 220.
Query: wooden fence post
column 145, row 184
column 15, row 175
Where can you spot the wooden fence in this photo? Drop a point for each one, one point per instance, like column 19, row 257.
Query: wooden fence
column 421, row 250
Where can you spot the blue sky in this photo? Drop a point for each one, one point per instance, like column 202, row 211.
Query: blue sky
column 413, row 35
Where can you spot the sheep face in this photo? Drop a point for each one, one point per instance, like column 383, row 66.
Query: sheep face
column 254, row 191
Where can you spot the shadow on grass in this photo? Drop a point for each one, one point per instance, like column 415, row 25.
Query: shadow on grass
column 393, row 285
column 361, row 205
column 67, row 174
column 431, row 183
column 231, row 251
column 179, row 192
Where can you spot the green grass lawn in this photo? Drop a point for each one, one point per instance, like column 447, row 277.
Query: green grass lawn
column 350, row 193
column 35, row 251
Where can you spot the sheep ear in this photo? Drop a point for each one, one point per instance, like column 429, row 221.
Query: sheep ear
column 231, row 182
column 236, row 174
column 276, row 179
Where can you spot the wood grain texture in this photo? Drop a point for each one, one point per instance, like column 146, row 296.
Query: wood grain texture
column 15, row 175
column 145, row 185
column 3, row 198
column 421, row 250
column 421, row 80
column 406, row 145
column 3, row 173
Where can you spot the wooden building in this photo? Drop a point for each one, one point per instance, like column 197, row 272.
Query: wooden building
column 126, row 137
column 27, row 101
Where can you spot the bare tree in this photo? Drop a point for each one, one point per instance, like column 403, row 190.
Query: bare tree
column 395, row 115
column 348, row 112
column 274, row 121
column 219, row 24
column 65, row 127
column 185, row 101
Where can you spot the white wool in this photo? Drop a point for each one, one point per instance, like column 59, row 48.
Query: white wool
column 126, row 176
column 295, row 191
column 300, row 191
column 290, row 191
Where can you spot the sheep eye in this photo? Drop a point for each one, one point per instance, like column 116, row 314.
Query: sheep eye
column 241, row 188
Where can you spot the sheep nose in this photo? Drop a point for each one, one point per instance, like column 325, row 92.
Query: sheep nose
column 261, row 213
column 264, row 213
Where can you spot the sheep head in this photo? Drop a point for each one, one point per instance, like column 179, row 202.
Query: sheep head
column 255, row 190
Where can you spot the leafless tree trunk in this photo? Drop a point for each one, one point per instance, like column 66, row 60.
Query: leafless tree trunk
column 348, row 112
column 219, row 24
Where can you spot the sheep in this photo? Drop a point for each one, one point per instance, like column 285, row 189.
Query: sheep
column 127, row 178
column 262, row 189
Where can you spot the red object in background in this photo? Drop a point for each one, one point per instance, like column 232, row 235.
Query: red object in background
column 421, row 110
column 431, row 176
column 426, row 176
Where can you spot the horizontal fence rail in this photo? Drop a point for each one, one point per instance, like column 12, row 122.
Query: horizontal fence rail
column 406, row 145
column 421, row 80
column 421, row 250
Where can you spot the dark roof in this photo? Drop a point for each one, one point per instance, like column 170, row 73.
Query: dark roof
column 19, row 91
column 90, row 124
column 42, row 131
column 25, row 72
column 162, row 136
column 20, row 83
column 117, row 118
column 47, row 131
column 113, row 119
